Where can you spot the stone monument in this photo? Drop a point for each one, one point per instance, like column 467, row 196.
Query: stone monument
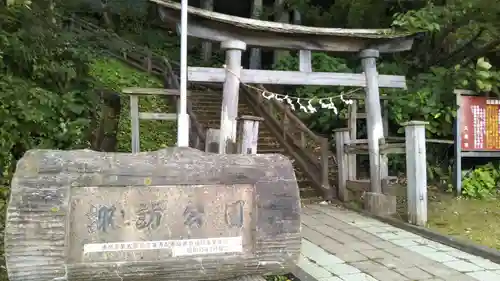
column 172, row 214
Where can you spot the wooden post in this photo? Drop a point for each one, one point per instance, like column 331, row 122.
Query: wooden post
column 135, row 115
column 457, row 167
column 255, row 53
column 384, row 158
column 206, row 46
column 229, row 112
column 212, row 140
column 325, row 175
column 341, row 136
column 305, row 56
column 134, row 120
column 280, row 15
column 373, row 117
column 249, row 134
column 416, row 172
column 149, row 62
column 353, row 130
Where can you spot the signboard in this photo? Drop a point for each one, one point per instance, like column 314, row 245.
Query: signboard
column 480, row 123
column 151, row 223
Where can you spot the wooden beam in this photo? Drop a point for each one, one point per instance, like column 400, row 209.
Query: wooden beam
column 293, row 42
column 253, row 76
column 157, row 116
column 221, row 27
column 150, row 91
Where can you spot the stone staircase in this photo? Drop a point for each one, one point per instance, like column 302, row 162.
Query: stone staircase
column 207, row 106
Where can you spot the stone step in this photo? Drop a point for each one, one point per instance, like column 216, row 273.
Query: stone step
column 207, row 106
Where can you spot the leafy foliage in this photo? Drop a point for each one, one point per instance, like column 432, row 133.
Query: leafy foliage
column 455, row 50
column 482, row 182
column 113, row 75
column 43, row 86
column 48, row 89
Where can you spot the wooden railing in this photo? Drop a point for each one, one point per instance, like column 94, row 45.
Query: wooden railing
column 146, row 60
column 310, row 151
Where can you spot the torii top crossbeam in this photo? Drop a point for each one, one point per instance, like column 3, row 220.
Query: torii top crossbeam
column 215, row 26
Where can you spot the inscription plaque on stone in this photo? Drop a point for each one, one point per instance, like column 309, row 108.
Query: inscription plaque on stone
column 147, row 223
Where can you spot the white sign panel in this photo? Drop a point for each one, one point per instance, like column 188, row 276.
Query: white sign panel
column 188, row 247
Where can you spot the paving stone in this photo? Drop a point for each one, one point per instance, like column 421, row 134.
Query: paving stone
column 375, row 254
column 371, row 238
column 350, row 256
column 313, row 235
column 308, row 211
column 462, row 277
column 313, row 269
column 421, row 249
column 388, row 275
column 439, row 270
column 405, row 242
column 378, row 229
column 309, row 249
column 460, row 254
column 310, row 221
column 333, row 278
column 360, row 246
column 341, row 269
column 402, row 234
column 388, row 236
column 462, row 266
column 439, row 256
column 336, row 234
column 356, row 232
column 337, row 224
column 358, row 277
column 368, row 266
column 383, row 244
column 413, row 273
column 340, row 244
column 392, row 262
column 324, row 259
column 321, row 217
column 484, row 275
column 438, row 246
column 407, row 255
column 333, row 246
column 484, row 263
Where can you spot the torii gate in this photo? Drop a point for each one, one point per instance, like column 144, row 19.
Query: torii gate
column 235, row 33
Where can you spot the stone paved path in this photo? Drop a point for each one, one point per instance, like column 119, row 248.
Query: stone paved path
column 343, row 245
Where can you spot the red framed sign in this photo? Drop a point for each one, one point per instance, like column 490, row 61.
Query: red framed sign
column 479, row 123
